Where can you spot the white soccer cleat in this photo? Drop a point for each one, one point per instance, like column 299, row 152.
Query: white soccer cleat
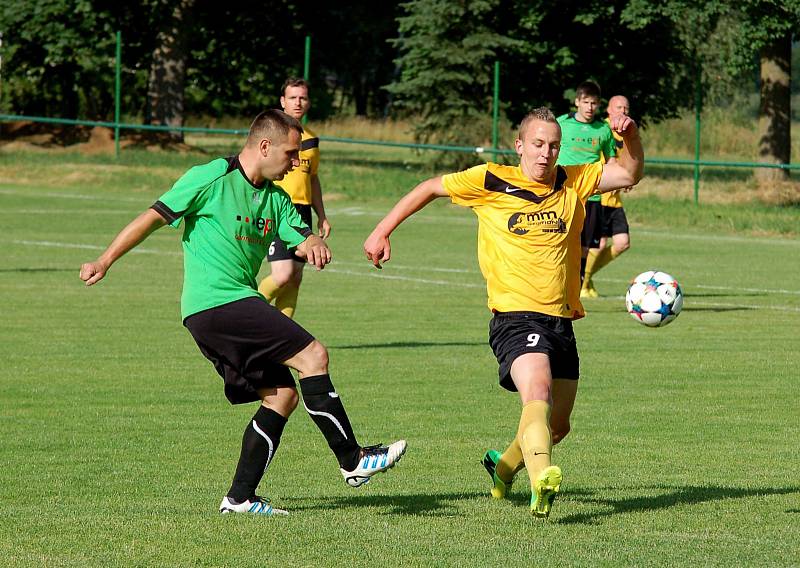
column 256, row 506
column 374, row 459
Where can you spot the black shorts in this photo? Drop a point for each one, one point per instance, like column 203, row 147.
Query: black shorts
column 614, row 221
column 277, row 248
column 247, row 340
column 512, row 334
column 592, row 225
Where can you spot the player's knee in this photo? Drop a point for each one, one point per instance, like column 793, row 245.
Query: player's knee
column 318, row 355
column 290, row 400
column 559, row 432
column 622, row 247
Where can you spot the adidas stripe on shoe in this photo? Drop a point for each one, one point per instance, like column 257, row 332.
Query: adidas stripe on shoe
column 256, row 506
column 374, row 459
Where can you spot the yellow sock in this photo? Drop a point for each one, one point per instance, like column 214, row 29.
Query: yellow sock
column 286, row 301
column 268, row 288
column 510, row 462
column 597, row 260
column 535, row 437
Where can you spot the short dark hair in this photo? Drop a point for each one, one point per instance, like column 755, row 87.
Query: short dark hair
column 587, row 89
column 542, row 113
column 293, row 82
column 272, row 123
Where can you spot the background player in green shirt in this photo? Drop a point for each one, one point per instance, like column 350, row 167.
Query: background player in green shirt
column 615, row 222
column 586, row 139
column 232, row 212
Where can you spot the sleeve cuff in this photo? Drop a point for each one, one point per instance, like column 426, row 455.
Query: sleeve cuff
column 168, row 214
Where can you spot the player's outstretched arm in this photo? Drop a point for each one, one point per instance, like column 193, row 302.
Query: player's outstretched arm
column 136, row 231
column 628, row 168
column 377, row 246
column 315, row 251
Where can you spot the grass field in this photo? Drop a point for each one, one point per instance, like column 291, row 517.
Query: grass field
column 117, row 442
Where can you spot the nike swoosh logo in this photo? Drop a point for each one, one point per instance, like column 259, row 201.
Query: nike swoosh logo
column 510, row 189
column 540, row 453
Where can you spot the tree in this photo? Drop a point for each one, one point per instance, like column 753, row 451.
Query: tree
column 57, row 65
column 168, row 69
column 753, row 28
column 447, row 50
column 770, row 26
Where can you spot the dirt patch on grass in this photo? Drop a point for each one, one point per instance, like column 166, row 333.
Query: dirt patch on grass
column 26, row 135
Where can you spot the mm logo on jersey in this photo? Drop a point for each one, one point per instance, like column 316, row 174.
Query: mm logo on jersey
column 261, row 224
column 547, row 221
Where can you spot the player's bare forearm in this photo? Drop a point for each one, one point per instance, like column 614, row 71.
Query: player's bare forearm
column 377, row 246
column 315, row 251
column 134, row 233
column 628, row 168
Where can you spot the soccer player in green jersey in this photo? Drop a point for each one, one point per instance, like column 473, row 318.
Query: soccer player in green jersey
column 615, row 222
column 232, row 212
column 587, row 139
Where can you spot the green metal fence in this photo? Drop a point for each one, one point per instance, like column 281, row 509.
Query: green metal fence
column 494, row 150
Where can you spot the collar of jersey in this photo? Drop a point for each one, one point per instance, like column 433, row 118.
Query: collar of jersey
column 494, row 183
column 235, row 164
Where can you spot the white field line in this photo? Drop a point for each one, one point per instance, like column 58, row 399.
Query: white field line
column 701, row 303
column 138, row 250
column 58, row 195
column 373, row 273
column 383, row 276
column 465, row 218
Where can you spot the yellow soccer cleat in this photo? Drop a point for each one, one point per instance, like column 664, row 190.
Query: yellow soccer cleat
column 588, row 290
column 545, row 491
column 499, row 487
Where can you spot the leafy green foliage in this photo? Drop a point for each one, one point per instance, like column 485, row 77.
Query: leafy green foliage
column 447, row 52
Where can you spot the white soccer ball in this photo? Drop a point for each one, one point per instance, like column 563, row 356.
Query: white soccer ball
column 654, row 298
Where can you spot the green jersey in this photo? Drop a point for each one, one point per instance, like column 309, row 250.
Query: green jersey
column 230, row 224
column 585, row 143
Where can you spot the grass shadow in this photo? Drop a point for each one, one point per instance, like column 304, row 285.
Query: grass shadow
column 409, row 344
column 673, row 496
column 28, row 270
column 420, row 504
column 719, row 309
column 728, row 295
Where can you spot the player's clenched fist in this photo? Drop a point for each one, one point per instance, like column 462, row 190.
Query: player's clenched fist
column 92, row 272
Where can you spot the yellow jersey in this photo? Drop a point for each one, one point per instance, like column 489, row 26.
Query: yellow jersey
column 613, row 198
column 529, row 234
column 297, row 183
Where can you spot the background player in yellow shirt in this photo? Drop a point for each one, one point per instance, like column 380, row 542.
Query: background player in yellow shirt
column 302, row 185
column 529, row 250
column 615, row 223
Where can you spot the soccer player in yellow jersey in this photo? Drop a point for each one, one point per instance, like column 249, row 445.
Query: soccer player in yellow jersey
column 529, row 250
column 615, row 223
column 302, row 184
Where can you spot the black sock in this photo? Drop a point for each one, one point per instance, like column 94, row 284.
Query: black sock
column 259, row 444
column 583, row 268
column 327, row 412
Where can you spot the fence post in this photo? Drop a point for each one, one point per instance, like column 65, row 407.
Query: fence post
column 306, row 66
column 496, row 109
column 117, row 93
column 698, row 103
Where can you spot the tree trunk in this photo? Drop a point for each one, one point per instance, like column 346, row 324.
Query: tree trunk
column 167, row 72
column 775, row 113
column 360, row 95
